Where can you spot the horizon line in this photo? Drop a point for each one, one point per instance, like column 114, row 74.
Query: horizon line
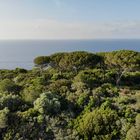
column 34, row 39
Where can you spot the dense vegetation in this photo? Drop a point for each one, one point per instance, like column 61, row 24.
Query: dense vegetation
column 73, row 96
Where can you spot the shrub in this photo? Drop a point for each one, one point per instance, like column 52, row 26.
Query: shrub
column 47, row 103
column 9, row 86
column 4, row 118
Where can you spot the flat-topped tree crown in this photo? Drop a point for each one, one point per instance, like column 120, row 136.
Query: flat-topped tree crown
column 75, row 60
column 42, row 61
column 122, row 61
column 69, row 61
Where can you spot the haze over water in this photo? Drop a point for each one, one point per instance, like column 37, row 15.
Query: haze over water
column 21, row 53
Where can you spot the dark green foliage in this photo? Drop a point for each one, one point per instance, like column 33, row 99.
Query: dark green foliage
column 72, row 96
column 134, row 132
column 47, row 103
column 19, row 70
column 60, row 86
column 92, row 78
column 31, row 93
column 99, row 124
column 9, row 86
column 4, row 118
column 122, row 61
column 131, row 78
column 75, row 60
column 42, row 61
column 106, row 90
column 13, row 102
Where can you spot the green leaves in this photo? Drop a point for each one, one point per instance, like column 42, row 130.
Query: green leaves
column 98, row 123
column 134, row 132
column 4, row 118
column 13, row 102
column 76, row 98
column 70, row 61
column 122, row 59
column 48, row 103
column 41, row 60
column 9, row 86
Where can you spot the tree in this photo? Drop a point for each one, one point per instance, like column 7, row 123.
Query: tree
column 4, row 118
column 91, row 77
column 98, row 123
column 20, row 70
column 9, row 86
column 13, row 102
column 31, row 93
column 47, row 103
column 106, row 90
column 134, row 131
column 60, row 85
column 75, row 60
column 42, row 61
column 122, row 61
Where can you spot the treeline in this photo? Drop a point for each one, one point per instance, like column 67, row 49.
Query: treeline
column 73, row 96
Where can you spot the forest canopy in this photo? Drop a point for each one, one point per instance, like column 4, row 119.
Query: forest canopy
column 73, row 96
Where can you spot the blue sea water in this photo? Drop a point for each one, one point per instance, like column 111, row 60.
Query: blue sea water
column 21, row 53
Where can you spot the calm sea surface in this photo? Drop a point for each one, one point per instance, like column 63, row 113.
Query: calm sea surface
column 21, row 53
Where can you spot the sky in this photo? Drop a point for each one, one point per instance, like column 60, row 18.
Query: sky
column 69, row 19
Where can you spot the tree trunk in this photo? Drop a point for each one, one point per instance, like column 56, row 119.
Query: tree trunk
column 119, row 76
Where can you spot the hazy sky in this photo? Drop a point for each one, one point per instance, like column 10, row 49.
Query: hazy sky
column 69, row 19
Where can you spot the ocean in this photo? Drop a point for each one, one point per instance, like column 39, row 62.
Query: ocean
column 21, row 53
